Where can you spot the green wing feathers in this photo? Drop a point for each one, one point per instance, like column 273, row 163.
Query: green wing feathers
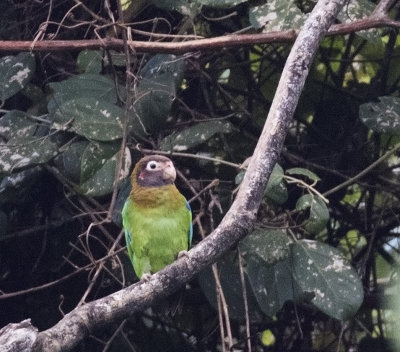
column 155, row 235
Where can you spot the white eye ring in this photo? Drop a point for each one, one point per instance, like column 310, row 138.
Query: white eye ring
column 152, row 165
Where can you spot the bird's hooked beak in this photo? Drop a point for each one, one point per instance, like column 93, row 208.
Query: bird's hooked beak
column 169, row 172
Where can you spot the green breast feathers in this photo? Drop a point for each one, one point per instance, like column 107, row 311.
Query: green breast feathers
column 157, row 218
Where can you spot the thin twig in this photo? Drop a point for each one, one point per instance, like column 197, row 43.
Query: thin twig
column 99, row 269
column 363, row 172
column 246, row 304
column 188, row 155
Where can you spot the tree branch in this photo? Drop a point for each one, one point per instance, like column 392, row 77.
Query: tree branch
column 84, row 320
column 377, row 19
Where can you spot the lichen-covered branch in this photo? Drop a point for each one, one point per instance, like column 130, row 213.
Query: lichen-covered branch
column 378, row 18
column 84, row 320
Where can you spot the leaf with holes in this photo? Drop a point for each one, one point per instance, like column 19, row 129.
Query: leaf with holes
column 319, row 213
column 15, row 73
column 382, row 116
column 90, row 117
column 324, row 271
column 193, row 136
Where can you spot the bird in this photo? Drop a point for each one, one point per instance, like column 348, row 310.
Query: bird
column 156, row 217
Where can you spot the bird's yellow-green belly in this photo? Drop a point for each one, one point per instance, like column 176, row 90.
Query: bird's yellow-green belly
column 157, row 239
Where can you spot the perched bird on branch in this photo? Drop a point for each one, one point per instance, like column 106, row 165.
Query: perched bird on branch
column 156, row 217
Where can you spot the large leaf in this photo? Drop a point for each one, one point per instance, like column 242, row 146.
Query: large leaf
column 156, row 91
column 23, row 148
column 272, row 285
column 91, row 165
column 277, row 15
column 358, row 9
column 18, row 153
column 90, row 117
column 313, row 272
column 99, row 169
column 69, row 162
column 15, row 73
column 382, row 116
column 16, row 123
column 229, row 276
column 84, row 85
column 319, row 213
column 90, row 61
column 323, row 270
column 276, row 189
column 95, row 156
column 266, row 245
column 193, row 136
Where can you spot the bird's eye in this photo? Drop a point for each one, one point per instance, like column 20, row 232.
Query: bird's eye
column 151, row 165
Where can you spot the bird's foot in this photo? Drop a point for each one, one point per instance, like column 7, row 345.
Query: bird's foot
column 183, row 254
column 146, row 277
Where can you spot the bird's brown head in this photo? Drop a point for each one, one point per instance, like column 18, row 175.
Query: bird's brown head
column 153, row 171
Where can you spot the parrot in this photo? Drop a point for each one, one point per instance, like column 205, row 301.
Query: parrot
column 156, row 217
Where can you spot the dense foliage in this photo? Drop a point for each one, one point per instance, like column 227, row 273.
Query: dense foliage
column 321, row 261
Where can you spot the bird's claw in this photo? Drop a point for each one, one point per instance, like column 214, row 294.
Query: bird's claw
column 146, row 277
column 183, row 254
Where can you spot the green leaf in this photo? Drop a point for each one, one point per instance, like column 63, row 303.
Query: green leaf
column 90, row 117
column 15, row 73
column 229, row 276
column 69, row 162
column 358, row 9
column 276, row 189
column 23, row 148
column 15, row 124
column 27, row 151
column 102, row 172
column 156, row 91
column 323, row 270
column 185, row 7
column 277, row 15
column 265, row 245
column 239, row 177
column 272, row 285
column 193, row 136
column 90, row 61
column 319, row 213
column 303, row 172
column 382, row 116
column 95, row 155
column 84, row 85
